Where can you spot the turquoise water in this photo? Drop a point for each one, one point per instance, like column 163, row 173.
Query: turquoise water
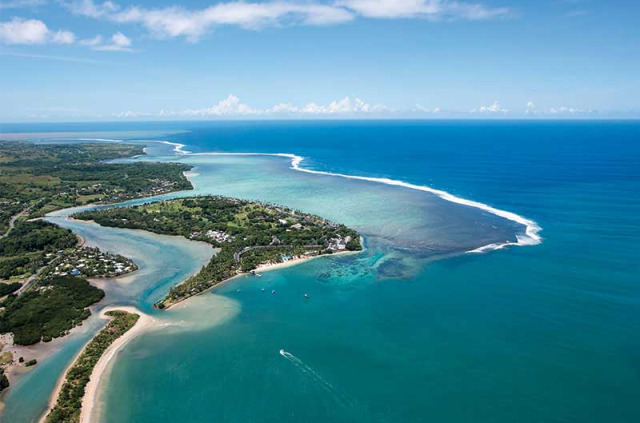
column 545, row 333
column 163, row 261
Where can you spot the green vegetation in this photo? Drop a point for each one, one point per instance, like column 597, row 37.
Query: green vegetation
column 247, row 233
column 22, row 250
column 39, row 178
column 9, row 288
column 4, row 382
column 87, row 262
column 6, row 357
column 50, row 310
column 29, row 237
column 46, row 177
column 69, row 403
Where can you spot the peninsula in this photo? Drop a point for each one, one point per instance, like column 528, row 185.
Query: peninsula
column 248, row 235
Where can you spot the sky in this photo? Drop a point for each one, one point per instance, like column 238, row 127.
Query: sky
column 75, row 60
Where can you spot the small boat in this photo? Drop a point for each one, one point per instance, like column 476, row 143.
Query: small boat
column 307, row 296
column 262, row 289
column 273, row 292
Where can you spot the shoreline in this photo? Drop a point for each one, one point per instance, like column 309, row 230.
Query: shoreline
column 263, row 268
column 532, row 229
column 92, row 388
column 300, row 260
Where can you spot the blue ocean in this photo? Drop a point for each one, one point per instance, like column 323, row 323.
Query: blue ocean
column 425, row 325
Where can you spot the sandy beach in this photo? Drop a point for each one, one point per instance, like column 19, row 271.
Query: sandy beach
column 99, row 371
column 297, row 260
column 261, row 268
column 102, row 365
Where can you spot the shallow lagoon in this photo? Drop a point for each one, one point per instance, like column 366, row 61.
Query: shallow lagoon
column 539, row 334
column 343, row 346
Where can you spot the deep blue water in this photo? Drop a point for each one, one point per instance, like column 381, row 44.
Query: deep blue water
column 546, row 333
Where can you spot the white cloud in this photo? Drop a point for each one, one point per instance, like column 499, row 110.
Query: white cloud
column 493, row 108
column 177, row 21
column 91, row 9
column 284, row 108
column 427, row 9
column 421, row 109
column 130, row 114
column 118, row 42
column 531, row 108
column 564, row 110
column 231, row 106
column 92, row 42
column 63, row 37
column 32, row 31
column 17, row 4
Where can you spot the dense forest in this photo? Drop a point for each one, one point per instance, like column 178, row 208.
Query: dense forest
column 247, row 233
column 50, row 310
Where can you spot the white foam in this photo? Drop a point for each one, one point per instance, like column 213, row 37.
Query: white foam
column 177, row 147
column 532, row 229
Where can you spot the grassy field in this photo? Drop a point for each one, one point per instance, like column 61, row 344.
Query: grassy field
column 46, row 177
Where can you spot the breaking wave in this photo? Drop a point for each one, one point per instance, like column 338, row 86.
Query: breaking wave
column 532, row 229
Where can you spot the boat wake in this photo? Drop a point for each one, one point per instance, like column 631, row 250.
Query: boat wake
column 340, row 398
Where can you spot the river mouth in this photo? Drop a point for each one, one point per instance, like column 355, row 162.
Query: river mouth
column 404, row 229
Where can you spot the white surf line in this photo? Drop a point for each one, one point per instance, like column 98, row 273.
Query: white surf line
column 532, row 228
column 177, row 147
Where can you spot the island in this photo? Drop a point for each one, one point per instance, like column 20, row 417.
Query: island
column 248, row 235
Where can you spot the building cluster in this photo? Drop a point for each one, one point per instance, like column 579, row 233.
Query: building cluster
column 339, row 243
column 213, row 235
column 219, row 236
column 88, row 262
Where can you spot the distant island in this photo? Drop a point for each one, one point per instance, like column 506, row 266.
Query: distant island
column 249, row 235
